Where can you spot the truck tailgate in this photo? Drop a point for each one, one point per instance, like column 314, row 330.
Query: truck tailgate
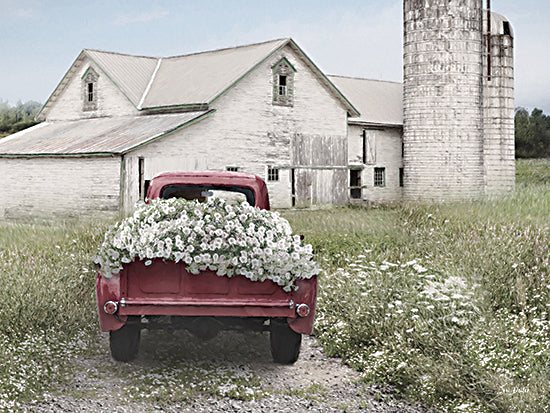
column 166, row 288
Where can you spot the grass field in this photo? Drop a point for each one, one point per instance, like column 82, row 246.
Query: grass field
column 446, row 303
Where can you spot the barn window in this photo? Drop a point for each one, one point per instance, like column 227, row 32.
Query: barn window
column 89, row 87
column 283, row 83
column 379, row 177
column 232, row 168
column 355, row 183
column 272, row 174
column 401, row 176
column 91, row 92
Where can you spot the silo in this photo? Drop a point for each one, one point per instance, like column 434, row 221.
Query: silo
column 442, row 100
column 498, row 104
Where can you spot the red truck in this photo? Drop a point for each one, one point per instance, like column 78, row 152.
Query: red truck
column 161, row 293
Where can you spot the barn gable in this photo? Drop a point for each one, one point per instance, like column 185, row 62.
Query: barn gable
column 299, row 149
column 71, row 99
column 130, row 84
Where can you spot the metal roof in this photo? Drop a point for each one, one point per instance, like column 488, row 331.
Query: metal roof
column 379, row 102
column 192, row 81
column 200, row 78
column 99, row 136
column 131, row 73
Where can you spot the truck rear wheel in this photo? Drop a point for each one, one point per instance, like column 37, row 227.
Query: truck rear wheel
column 124, row 343
column 285, row 342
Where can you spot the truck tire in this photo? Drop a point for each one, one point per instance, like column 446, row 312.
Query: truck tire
column 124, row 343
column 285, row 342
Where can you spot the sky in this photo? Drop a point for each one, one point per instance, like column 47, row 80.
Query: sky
column 40, row 39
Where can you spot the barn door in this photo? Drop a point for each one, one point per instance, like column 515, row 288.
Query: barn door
column 320, row 175
column 143, row 184
column 320, row 186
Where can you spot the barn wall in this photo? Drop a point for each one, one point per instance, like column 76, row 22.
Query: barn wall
column 111, row 101
column 383, row 149
column 49, row 187
column 249, row 132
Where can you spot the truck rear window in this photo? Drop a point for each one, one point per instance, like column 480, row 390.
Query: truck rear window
column 231, row 194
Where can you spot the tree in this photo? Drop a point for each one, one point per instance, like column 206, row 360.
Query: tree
column 19, row 117
column 532, row 134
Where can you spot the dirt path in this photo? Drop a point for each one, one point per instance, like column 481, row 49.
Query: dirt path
column 175, row 372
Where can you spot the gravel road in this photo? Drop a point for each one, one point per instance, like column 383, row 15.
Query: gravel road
column 314, row 383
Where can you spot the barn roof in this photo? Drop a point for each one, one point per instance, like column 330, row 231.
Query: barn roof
column 380, row 102
column 131, row 74
column 99, row 136
column 187, row 81
column 202, row 77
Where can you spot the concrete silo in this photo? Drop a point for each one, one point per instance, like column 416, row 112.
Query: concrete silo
column 445, row 94
column 498, row 105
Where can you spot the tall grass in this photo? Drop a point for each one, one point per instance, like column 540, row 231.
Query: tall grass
column 447, row 303
column 47, row 301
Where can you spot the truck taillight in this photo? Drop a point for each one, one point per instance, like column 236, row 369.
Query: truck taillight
column 110, row 307
column 302, row 310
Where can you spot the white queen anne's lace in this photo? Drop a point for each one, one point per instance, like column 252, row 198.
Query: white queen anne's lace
column 229, row 239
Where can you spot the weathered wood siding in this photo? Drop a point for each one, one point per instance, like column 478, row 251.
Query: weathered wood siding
column 49, row 187
column 249, row 132
column 383, row 149
column 111, row 101
column 320, row 169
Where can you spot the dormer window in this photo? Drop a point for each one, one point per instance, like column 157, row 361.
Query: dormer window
column 91, row 97
column 283, row 83
column 89, row 87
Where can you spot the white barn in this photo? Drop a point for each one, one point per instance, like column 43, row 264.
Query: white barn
column 116, row 120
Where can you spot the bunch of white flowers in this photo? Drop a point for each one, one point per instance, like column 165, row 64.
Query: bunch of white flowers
column 230, row 239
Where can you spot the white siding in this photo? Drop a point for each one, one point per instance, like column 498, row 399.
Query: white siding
column 111, row 101
column 48, row 187
column 250, row 132
column 385, row 153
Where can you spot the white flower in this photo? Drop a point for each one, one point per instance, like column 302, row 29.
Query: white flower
column 231, row 239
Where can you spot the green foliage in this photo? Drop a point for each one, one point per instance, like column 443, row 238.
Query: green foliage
column 447, row 303
column 19, row 117
column 532, row 134
column 47, row 276
column 48, row 303
column 532, row 171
